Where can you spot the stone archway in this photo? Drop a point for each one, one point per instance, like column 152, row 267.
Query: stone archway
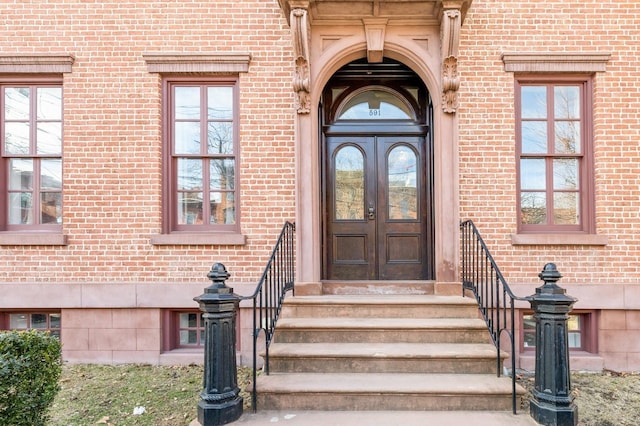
column 421, row 34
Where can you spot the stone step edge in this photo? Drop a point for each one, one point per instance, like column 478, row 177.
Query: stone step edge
column 453, row 351
column 387, row 383
column 382, row 324
column 386, row 300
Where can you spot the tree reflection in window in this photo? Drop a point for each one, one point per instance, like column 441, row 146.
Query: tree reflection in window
column 349, row 182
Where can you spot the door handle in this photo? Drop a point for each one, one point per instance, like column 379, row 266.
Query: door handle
column 372, row 212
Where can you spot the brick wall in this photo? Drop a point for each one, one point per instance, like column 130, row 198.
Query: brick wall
column 487, row 131
column 112, row 134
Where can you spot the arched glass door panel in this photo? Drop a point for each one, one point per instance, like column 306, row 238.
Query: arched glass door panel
column 402, row 181
column 349, row 184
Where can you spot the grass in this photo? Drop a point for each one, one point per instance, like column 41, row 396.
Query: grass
column 108, row 395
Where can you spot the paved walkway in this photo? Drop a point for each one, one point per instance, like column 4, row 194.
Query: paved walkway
column 385, row 418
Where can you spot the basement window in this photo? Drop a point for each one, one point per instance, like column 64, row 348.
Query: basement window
column 42, row 321
column 580, row 327
column 183, row 330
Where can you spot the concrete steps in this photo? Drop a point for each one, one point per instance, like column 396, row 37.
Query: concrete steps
column 382, row 352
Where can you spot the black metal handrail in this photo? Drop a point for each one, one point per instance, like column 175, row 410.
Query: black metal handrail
column 277, row 279
column 496, row 302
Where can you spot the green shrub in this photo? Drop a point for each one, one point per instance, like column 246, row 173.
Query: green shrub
column 30, row 366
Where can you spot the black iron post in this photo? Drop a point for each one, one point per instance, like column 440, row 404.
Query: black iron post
column 552, row 402
column 220, row 402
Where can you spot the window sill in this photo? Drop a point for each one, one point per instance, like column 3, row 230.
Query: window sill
column 32, row 239
column 212, row 238
column 559, row 239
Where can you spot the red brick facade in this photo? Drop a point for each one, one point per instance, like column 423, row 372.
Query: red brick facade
column 112, row 283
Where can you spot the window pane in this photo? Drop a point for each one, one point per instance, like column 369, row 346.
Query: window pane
column 533, row 208
column 566, row 208
column 187, row 103
column 38, row 320
column 220, row 138
column 565, row 173
column 49, row 139
column 575, row 340
column 189, row 320
column 574, row 323
column 222, row 174
column 54, row 320
column 189, row 208
column 20, row 212
column 349, row 182
column 533, row 173
column 189, row 174
column 529, row 340
column 16, row 103
column 402, row 180
column 534, row 137
column 188, row 337
column 51, row 207
column 223, row 208
column 529, row 323
column 49, row 103
column 567, row 139
column 566, row 102
column 534, row 102
column 16, row 138
column 220, row 103
column 51, row 174
column 187, row 137
column 20, row 174
column 19, row 321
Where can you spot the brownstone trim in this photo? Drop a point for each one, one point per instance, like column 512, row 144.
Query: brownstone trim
column 556, row 62
column 36, row 64
column 205, row 62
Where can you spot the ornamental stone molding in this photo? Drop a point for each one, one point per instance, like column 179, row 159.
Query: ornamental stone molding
column 300, row 39
column 556, row 62
column 36, row 64
column 375, row 16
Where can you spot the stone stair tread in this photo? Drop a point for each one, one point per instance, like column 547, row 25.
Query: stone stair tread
column 381, row 323
column 386, row 383
column 385, row 300
column 385, row 350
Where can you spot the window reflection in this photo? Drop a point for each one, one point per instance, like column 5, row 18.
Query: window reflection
column 376, row 104
column 402, row 181
column 349, row 182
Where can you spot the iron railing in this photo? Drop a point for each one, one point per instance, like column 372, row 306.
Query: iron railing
column 277, row 279
column 481, row 275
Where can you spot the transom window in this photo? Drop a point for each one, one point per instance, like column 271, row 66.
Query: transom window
column 31, row 149
column 553, row 132
column 202, row 134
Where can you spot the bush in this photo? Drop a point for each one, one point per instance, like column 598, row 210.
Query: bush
column 30, row 366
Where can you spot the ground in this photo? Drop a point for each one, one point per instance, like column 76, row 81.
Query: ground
column 168, row 396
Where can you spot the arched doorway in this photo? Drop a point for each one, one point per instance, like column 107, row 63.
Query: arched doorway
column 377, row 174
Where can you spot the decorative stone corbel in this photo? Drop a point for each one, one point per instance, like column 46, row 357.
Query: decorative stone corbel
column 301, row 77
column 374, row 29
column 450, row 33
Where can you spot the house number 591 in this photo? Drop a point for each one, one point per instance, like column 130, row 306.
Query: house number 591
column 374, row 113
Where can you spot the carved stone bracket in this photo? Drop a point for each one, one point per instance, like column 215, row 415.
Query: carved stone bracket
column 301, row 77
column 450, row 33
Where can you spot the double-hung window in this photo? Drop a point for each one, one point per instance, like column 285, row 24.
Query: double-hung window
column 31, row 151
column 202, row 152
column 555, row 189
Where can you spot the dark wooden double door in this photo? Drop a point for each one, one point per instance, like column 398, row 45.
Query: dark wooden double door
column 377, row 208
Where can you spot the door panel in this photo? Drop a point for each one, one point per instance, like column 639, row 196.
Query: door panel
column 376, row 208
column 350, row 185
